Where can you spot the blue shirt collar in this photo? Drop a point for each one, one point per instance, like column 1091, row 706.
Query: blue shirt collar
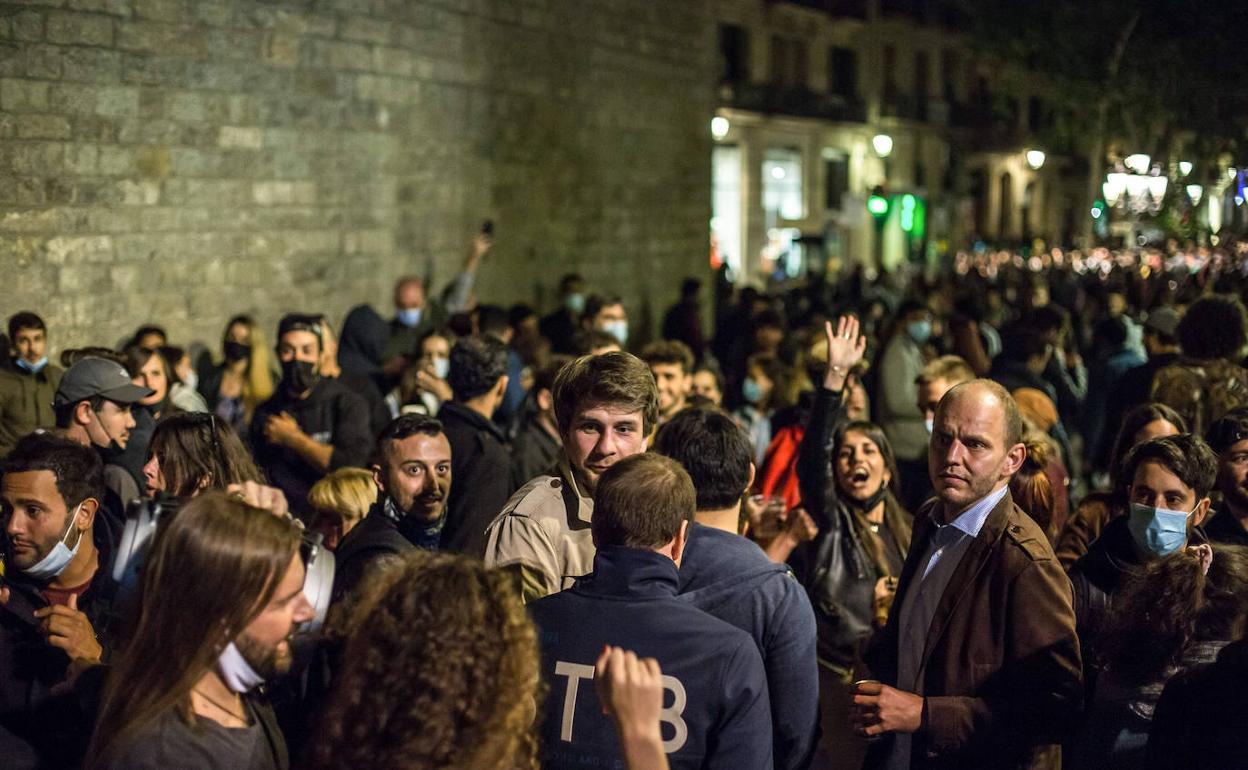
column 971, row 521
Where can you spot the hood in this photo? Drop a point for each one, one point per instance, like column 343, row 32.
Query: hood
column 362, row 343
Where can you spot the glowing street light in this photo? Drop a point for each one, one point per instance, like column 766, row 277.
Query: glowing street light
column 1185, row 167
column 1195, row 191
column 882, row 144
column 1138, row 162
column 777, row 172
column 1035, row 159
column 719, row 127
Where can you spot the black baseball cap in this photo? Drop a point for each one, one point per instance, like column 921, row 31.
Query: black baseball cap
column 98, row 377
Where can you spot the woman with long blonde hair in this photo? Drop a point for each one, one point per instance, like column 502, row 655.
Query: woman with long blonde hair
column 243, row 379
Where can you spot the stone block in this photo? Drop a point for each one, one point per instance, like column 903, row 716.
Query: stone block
column 76, row 250
column 23, row 95
column 71, row 28
column 42, row 127
column 120, row 8
column 27, row 26
column 161, row 10
column 248, row 137
column 91, row 65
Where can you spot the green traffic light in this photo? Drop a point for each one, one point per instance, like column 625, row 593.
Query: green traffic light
column 877, row 205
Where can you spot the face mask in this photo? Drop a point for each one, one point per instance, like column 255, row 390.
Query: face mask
column 441, row 367
column 929, row 424
column 409, row 317
column 575, row 303
column 114, row 447
column 236, row 351
column 751, row 391
column 1157, row 531
column 191, row 380
column 236, row 672
column 299, row 376
column 60, row 556
column 617, row 329
column 919, row 331
column 34, row 368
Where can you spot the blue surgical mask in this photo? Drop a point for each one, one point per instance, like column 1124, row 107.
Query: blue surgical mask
column 575, row 303
column 410, row 317
column 751, row 391
column 919, row 331
column 34, row 368
column 236, row 672
column 1157, row 531
column 929, row 424
column 617, row 329
column 60, row 556
column 441, row 367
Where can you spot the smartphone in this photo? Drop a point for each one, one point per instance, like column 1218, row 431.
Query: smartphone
column 487, row 227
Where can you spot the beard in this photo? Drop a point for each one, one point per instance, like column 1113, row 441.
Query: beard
column 268, row 662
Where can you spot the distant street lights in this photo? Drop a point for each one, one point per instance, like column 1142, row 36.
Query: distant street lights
column 882, row 144
column 1035, row 159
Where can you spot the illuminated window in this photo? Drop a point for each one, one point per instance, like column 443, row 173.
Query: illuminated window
column 782, row 183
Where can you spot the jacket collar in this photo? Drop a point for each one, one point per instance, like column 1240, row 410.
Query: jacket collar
column 630, row 573
column 573, row 495
column 465, row 414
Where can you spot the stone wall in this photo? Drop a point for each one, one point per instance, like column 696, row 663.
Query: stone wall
column 178, row 161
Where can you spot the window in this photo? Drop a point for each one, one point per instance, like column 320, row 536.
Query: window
column 922, row 66
column 843, row 72
column 726, row 204
column 1005, row 214
column 949, row 73
column 734, row 53
column 782, row 183
column 1037, row 114
column 788, row 62
column 835, row 178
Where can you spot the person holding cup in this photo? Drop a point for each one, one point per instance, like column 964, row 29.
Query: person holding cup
column 847, row 475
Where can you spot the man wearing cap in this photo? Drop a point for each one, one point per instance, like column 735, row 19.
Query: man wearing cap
column 312, row 425
column 92, row 407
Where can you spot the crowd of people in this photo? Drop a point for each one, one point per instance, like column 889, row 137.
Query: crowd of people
column 990, row 518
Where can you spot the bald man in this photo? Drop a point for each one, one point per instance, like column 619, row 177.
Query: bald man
column 979, row 663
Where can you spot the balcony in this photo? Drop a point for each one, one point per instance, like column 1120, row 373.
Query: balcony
column 853, row 8
column 796, row 102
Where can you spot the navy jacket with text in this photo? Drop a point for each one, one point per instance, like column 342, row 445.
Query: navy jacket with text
column 716, row 712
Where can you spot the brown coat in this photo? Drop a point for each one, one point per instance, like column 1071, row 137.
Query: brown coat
column 1001, row 668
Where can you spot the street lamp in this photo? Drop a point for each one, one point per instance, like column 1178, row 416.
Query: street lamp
column 1195, row 191
column 1137, row 162
column 1035, row 159
column 1185, row 167
column 719, row 127
column 882, row 144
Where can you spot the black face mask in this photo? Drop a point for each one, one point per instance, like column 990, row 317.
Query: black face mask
column 866, row 506
column 298, row 376
column 236, row 351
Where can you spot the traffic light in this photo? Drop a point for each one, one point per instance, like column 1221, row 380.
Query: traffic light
column 879, row 205
column 1098, row 208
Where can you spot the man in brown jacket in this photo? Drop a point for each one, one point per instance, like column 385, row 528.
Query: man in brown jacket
column 979, row 663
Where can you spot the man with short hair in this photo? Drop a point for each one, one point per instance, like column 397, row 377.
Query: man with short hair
column 605, row 313
column 718, row 715
column 92, row 407
column 1168, row 484
column 312, row 424
column 978, row 665
column 605, row 406
column 415, row 315
column 1228, row 437
column 56, row 599
column 671, row 363
column 478, row 378
column 937, row 379
column 729, row 577
column 413, row 473
column 27, row 381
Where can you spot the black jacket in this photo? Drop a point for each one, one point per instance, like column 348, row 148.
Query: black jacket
column 47, row 729
column 838, row 573
column 534, row 452
column 480, row 478
column 1199, row 721
column 376, row 538
column 331, row 414
column 1223, row 528
column 713, row 671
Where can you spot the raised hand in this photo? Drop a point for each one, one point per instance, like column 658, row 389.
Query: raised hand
column 846, row 347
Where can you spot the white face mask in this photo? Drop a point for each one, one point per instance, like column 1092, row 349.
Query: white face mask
column 191, row 380
column 236, row 672
column 929, row 424
column 441, row 367
column 617, row 329
column 60, row 556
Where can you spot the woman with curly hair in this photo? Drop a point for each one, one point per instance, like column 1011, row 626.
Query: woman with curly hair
column 439, row 670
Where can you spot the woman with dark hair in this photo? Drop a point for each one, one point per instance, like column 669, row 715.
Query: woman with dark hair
column 1096, row 509
column 848, row 479
column 192, row 452
column 243, row 379
column 1180, row 611
column 149, row 369
column 219, row 595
